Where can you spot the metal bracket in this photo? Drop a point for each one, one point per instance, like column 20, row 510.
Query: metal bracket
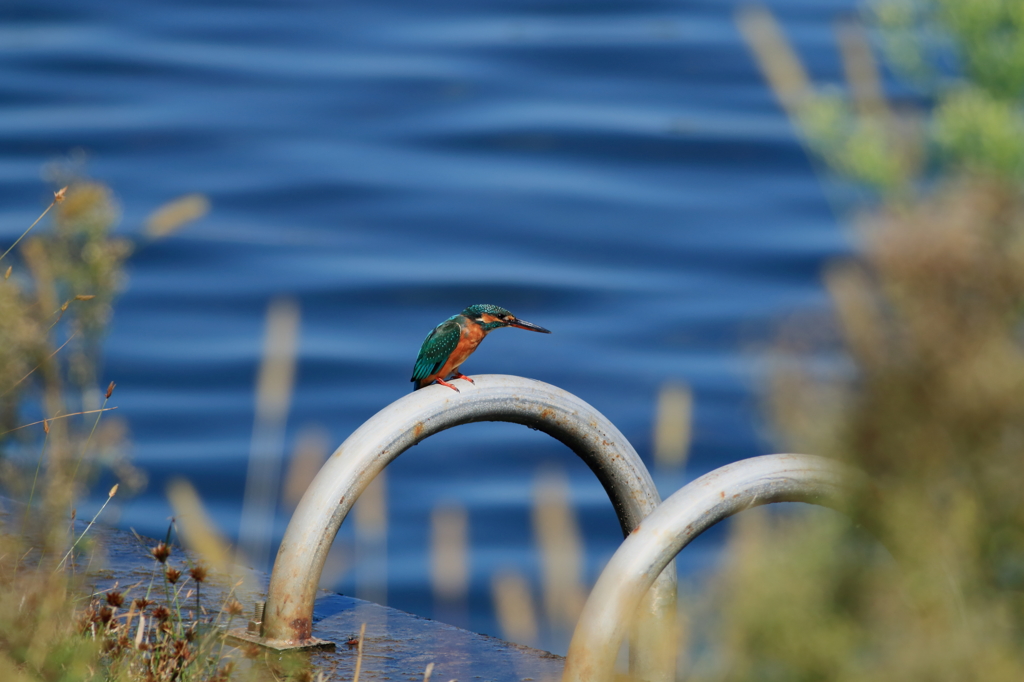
column 251, row 634
column 687, row 513
column 242, row 637
column 416, row 416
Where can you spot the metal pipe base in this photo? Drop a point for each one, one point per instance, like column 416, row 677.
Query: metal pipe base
column 241, row 637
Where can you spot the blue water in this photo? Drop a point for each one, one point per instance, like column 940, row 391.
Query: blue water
column 615, row 171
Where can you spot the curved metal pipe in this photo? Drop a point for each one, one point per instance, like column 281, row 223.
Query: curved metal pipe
column 407, row 421
column 651, row 547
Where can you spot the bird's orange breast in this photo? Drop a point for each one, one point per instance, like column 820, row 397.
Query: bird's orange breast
column 471, row 337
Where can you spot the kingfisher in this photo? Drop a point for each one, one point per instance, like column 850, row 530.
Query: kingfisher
column 456, row 338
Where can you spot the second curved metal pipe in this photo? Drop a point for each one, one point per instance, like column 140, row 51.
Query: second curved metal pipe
column 642, row 558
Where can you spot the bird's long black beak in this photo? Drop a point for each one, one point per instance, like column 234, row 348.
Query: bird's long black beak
column 529, row 326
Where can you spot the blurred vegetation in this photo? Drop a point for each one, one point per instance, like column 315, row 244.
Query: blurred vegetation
column 927, row 582
column 60, row 280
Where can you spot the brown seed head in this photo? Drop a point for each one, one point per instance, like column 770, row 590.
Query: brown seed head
column 89, row 615
column 58, row 196
column 198, row 573
column 172, row 575
column 141, row 603
column 106, row 613
column 110, row 389
column 115, row 599
column 222, row 674
column 161, row 552
column 46, row 426
column 234, row 608
column 161, row 613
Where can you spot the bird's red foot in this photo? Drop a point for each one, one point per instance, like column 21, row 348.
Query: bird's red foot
column 445, row 383
column 460, row 375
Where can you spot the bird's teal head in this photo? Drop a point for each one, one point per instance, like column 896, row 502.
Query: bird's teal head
column 490, row 317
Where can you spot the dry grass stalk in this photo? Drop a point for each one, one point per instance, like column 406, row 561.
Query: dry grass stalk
column 273, row 400
column 197, row 530
column 779, row 62
column 176, row 214
column 311, row 450
column 371, row 541
column 513, row 604
column 449, row 552
column 561, row 549
column 672, row 426
column 359, row 653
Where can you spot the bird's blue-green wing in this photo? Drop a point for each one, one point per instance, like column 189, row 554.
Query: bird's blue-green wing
column 436, row 349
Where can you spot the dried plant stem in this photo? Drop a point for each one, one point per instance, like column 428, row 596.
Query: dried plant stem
column 39, row 463
column 32, row 490
column 85, row 446
column 64, row 308
column 110, row 496
column 63, row 416
column 57, row 198
column 231, row 618
column 778, row 60
column 60, row 314
column 32, row 371
column 359, row 653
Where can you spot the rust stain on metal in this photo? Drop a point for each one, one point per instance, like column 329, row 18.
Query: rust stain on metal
column 342, row 500
column 722, row 495
column 302, row 628
column 417, row 430
column 546, row 413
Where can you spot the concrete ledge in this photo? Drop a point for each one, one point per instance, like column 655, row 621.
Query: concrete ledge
column 397, row 645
